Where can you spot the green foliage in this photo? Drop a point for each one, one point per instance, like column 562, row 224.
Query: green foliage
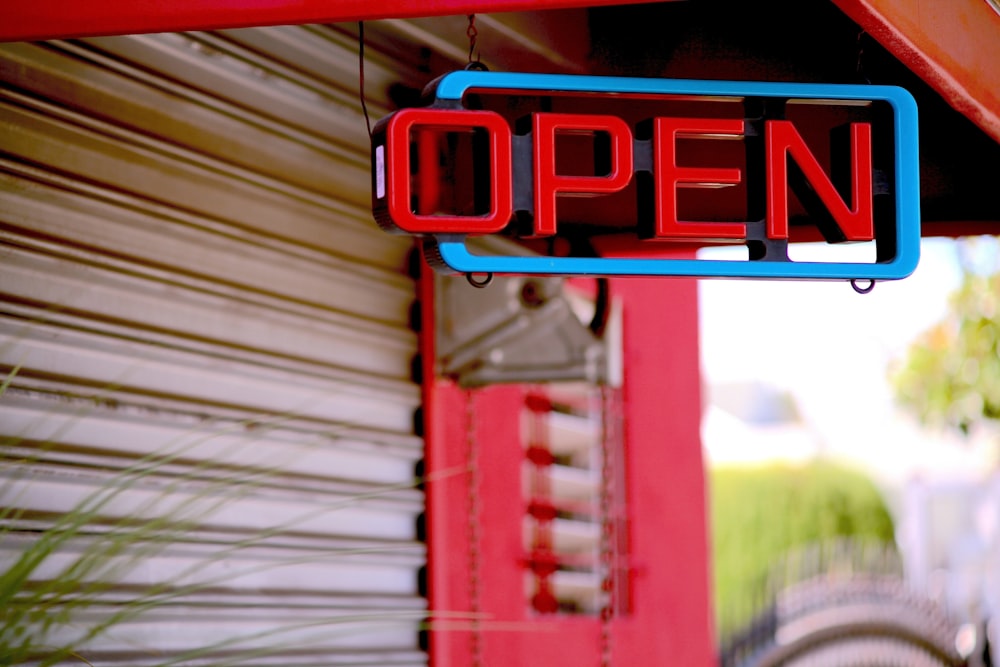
column 759, row 514
column 951, row 374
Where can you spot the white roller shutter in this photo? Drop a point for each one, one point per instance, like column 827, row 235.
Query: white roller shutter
column 207, row 346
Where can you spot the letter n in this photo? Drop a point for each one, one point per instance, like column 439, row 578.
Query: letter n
column 854, row 222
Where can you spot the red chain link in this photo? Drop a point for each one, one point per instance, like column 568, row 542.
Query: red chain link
column 612, row 523
column 473, row 530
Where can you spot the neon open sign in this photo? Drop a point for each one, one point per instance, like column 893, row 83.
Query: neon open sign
column 600, row 175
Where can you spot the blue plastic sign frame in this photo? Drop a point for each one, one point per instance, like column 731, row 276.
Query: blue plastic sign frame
column 452, row 251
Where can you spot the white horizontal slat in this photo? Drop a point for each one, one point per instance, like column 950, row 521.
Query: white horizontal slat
column 165, row 175
column 48, row 218
column 141, row 101
column 264, row 390
column 294, row 657
column 264, row 447
column 178, row 631
column 572, row 434
column 583, row 589
column 159, row 306
column 169, row 568
column 575, row 536
column 65, row 397
column 574, row 485
column 568, row 536
column 21, row 321
column 371, row 254
column 576, row 585
column 239, row 77
column 221, row 505
column 291, row 658
column 213, row 598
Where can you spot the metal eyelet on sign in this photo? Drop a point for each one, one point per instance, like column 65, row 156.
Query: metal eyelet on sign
column 863, row 290
column 479, row 284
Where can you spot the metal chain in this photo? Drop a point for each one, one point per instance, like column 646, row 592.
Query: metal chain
column 607, row 527
column 473, row 529
column 608, row 518
column 472, row 32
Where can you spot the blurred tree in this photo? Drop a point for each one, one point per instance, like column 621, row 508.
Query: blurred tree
column 951, row 374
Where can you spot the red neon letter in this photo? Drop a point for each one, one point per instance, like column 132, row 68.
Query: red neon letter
column 399, row 190
column 669, row 176
column 782, row 139
column 548, row 183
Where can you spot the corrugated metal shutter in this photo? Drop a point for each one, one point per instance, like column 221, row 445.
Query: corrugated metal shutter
column 208, row 352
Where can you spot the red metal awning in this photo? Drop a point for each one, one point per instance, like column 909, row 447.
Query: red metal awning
column 47, row 19
column 953, row 46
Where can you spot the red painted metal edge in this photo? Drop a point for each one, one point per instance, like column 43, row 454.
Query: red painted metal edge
column 954, row 46
column 444, row 487
column 50, row 19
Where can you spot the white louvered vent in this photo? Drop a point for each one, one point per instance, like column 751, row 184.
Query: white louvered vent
column 206, row 338
column 561, row 484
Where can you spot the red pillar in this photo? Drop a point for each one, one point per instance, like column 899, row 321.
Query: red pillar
column 666, row 494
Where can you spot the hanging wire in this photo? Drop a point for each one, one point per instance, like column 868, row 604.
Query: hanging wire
column 361, row 75
column 860, row 72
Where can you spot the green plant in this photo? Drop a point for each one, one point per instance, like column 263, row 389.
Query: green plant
column 759, row 514
column 54, row 617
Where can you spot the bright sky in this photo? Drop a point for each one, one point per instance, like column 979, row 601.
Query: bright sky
column 831, row 348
